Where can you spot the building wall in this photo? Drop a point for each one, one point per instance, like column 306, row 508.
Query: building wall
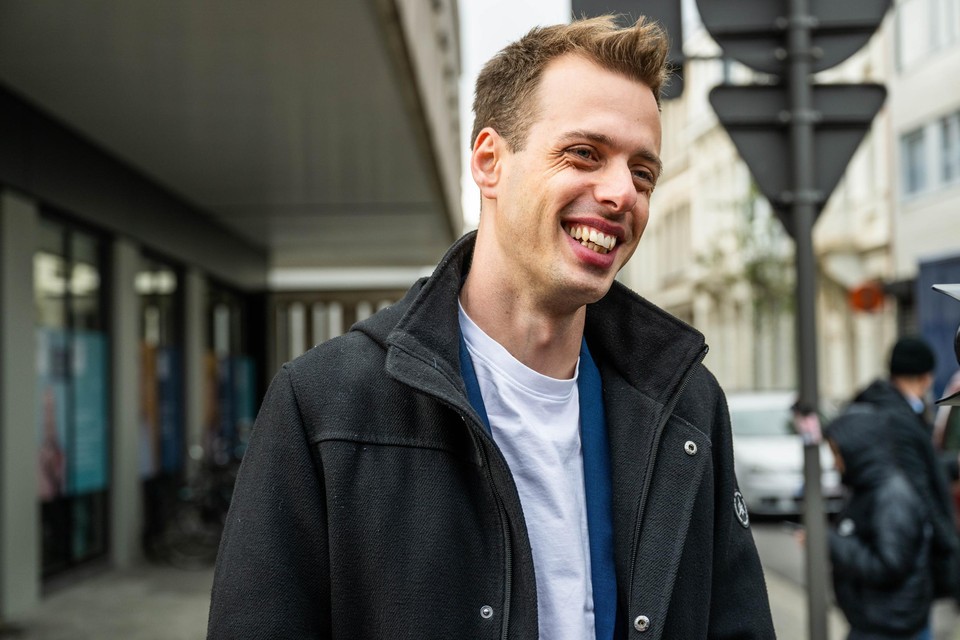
column 735, row 281
column 45, row 168
column 48, row 171
column 41, row 158
column 925, row 102
column 19, row 517
column 433, row 37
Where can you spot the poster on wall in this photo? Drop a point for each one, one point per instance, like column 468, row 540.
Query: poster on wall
column 89, row 468
column 51, row 413
column 170, row 386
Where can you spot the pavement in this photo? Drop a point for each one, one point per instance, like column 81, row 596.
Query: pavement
column 149, row 602
column 153, row 602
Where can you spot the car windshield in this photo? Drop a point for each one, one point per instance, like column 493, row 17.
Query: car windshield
column 762, row 422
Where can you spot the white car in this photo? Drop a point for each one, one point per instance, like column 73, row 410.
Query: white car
column 768, row 456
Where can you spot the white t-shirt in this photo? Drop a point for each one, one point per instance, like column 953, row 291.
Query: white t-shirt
column 535, row 422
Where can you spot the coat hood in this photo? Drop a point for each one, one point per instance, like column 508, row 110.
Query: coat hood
column 862, row 435
column 883, row 395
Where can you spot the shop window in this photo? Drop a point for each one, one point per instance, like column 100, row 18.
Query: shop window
column 72, row 396
column 230, row 380
column 161, row 415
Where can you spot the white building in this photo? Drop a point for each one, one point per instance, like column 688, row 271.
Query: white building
column 716, row 256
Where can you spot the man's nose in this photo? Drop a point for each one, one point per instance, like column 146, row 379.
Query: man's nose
column 615, row 188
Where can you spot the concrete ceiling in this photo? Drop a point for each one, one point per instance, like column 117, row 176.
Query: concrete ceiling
column 286, row 120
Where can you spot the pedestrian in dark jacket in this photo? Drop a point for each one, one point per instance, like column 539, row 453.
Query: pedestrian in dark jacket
column 900, row 401
column 880, row 548
column 520, row 448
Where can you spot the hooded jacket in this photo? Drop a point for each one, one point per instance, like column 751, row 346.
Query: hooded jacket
column 371, row 503
column 912, row 447
column 880, row 548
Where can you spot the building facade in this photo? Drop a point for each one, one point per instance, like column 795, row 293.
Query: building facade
column 716, row 256
column 190, row 195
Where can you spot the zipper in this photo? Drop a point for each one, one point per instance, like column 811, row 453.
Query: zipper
column 505, row 529
column 507, row 549
column 667, row 412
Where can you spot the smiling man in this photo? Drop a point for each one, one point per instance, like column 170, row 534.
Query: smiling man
column 521, row 447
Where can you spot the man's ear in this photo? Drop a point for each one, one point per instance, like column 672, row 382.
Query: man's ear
column 485, row 161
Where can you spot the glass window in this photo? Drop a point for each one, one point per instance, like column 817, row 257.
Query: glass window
column 230, row 381
column 913, row 32
column 161, row 418
column 161, row 370
column 914, row 161
column 950, row 148
column 72, row 396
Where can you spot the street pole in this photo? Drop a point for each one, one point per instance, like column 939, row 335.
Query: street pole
column 804, row 202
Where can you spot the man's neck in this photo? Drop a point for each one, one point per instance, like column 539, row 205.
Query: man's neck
column 547, row 342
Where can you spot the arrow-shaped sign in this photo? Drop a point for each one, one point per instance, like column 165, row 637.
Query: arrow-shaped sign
column 758, row 120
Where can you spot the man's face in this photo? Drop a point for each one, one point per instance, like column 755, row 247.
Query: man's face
column 572, row 205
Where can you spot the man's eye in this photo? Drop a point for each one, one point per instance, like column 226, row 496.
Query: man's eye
column 643, row 175
column 583, row 152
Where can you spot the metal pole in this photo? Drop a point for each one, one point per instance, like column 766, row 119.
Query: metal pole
column 803, row 215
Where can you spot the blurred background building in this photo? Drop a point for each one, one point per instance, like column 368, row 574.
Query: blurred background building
column 192, row 193
column 716, row 256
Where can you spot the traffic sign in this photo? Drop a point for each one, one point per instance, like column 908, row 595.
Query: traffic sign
column 666, row 12
column 754, row 31
column 757, row 117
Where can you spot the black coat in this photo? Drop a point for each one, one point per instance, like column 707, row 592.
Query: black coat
column 880, row 548
column 371, row 502
column 912, row 447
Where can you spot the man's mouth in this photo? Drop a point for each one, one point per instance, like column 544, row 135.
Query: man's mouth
column 591, row 238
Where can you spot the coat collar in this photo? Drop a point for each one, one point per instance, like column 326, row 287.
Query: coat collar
column 628, row 336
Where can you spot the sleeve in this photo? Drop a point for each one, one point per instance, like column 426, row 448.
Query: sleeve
column 739, row 605
column 916, row 457
column 272, row 574
column 897, row 521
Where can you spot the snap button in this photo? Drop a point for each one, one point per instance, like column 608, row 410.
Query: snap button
column 486, row 612
column 641, row 623
column 690, row 447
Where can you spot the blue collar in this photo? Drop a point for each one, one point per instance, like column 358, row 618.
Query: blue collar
column 597, row 474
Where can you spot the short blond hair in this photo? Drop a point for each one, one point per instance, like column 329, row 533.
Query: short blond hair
column 507, row 83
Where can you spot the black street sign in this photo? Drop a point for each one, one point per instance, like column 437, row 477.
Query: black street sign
column 758, row 120
column 666, row 12
column 754, row 31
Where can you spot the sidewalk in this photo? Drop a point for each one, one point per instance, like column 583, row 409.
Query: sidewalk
column 161, row 603
column 149, row 602
column 788, row 604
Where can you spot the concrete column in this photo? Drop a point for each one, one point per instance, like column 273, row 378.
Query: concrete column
column 195, row 303
column 19, row 509
column 126, row 495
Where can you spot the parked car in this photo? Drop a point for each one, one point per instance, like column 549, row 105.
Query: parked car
column 768, row 456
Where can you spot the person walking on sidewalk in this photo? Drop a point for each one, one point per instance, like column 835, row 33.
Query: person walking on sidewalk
column 880, row 547
column 900, row 401
column 521, row 448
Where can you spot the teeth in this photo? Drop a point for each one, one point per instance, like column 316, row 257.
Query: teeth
column 591, row 238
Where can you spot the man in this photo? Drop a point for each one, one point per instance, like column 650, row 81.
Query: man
column 900, row 401
column 520, row 448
